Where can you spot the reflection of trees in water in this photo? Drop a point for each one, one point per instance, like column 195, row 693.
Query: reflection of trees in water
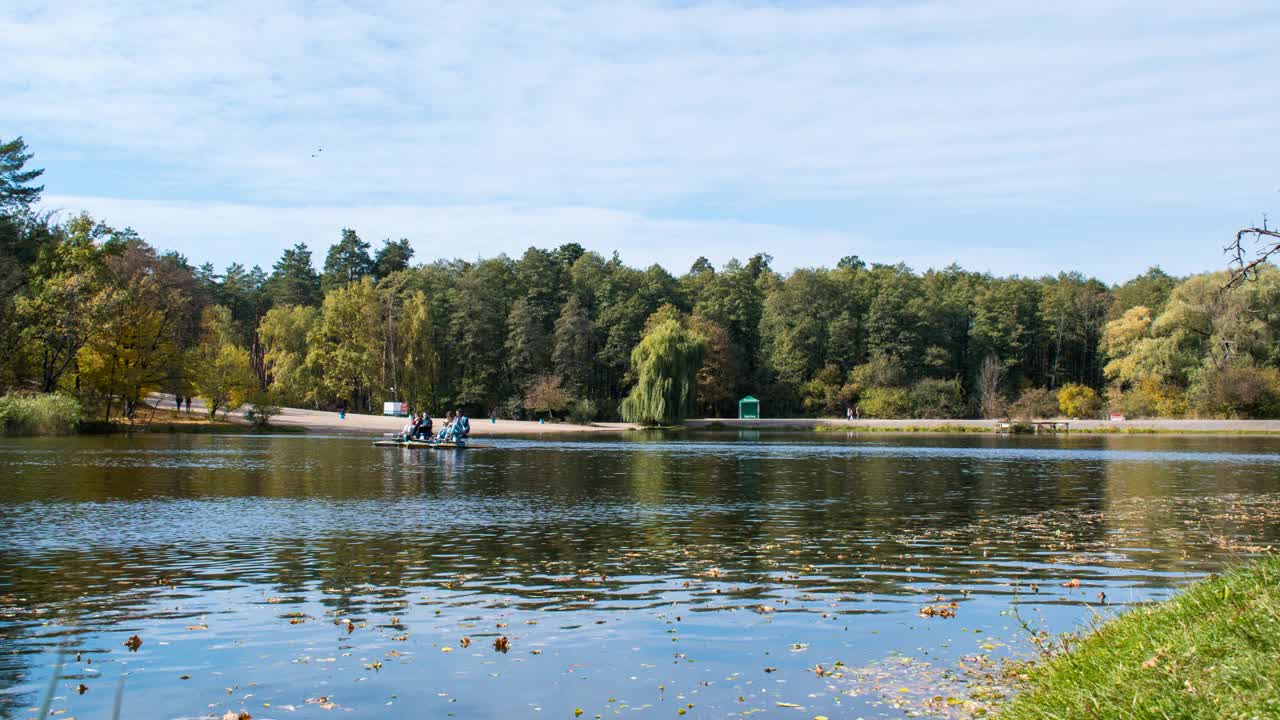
column 554, row 529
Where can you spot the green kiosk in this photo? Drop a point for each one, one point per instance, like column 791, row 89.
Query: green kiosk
column 748, row 408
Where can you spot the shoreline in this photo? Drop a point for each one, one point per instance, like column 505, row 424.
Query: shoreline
column 906, row 425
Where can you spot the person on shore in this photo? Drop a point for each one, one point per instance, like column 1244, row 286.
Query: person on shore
column 857, row 412
column 848, row 413
column 177, row 401
column 188, row 399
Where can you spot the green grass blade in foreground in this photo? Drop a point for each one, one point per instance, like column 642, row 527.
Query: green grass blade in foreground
column 1210, row 652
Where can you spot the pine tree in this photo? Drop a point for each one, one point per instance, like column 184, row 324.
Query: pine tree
column 348, row 261
column 294, row 281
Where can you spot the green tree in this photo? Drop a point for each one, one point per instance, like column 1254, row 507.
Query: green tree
column 481, row 305
column 391, row 258
column 66, row 301
column 346, row 344
column 665, row 363
column 348, row 261
column 294, row 281
column 527, row 343
column 421, row 380
column 16, row 191
column 220, row 371
column 284, row 331
column 573, row 352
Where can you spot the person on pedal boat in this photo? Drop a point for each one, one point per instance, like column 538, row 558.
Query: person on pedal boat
column 446, row 430
column 461, row 424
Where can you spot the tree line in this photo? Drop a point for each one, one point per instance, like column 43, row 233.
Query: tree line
column 97, row 312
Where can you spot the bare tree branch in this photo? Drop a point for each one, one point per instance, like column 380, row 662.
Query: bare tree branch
column 1244, row 262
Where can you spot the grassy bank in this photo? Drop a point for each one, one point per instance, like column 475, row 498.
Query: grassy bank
column 1209, row 652
column 48, row 414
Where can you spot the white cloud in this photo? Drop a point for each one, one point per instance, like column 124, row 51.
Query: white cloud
column 648, row 109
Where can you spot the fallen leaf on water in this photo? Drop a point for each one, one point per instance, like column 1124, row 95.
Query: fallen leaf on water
column 82, row 689
column 133, row 643
column 465, row 642
column 793, row 706
column 577, row 712
column 765, row 609
column 233, row 715
column 1072, row 583
column 502, row 644
column 201, row 626
column 323, row 701
column 375, row 666
column 446, row 649
column 770, row 669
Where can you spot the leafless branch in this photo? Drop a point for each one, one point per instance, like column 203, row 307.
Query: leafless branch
column 1245, row 262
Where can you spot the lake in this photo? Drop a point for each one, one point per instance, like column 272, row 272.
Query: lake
column 719, row 575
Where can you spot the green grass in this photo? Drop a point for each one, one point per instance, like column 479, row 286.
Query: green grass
column 1212, row 651
column 45, row 414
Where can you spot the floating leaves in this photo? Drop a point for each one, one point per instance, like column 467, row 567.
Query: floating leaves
column 1072, row 583
column 323, row 701
column 465, row 642
column 944, row 611
column 502, row 644
column 133, row 643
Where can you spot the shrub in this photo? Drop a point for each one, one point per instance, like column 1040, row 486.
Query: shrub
column 1079, row 401
column 933, row 398
column 582, row 412
column 1237, row 392
column 1034, row 403
column 50, row 414
column 885, row 402
column 261, row 410
column 1149, row 398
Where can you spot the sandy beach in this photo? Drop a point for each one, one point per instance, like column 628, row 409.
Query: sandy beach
column 318, row 421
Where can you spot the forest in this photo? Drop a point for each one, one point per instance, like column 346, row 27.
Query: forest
column 96, row 313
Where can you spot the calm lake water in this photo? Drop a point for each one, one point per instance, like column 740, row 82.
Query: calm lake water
column 316, row 577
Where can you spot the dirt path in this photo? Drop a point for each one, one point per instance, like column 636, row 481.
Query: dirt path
column 329, row 422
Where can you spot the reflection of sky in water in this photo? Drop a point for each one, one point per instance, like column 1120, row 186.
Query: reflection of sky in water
column 692, row 565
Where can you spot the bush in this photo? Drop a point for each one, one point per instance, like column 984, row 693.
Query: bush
column 261, row 410
column 933, row 398
column 1034, row 403
column 885, row 402
column 51, row 414
column 1079, row 401
column 1149, row 398
column 1237, row 392
column 582, row 412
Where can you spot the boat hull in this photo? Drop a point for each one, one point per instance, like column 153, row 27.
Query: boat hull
column 418, row 445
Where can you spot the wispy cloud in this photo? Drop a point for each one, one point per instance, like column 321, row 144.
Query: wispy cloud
column 759, row 115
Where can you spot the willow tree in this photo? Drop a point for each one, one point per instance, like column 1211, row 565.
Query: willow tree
column 665, row 364
column 422, row 377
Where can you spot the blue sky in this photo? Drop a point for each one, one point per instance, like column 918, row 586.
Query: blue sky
column 1004, row 136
